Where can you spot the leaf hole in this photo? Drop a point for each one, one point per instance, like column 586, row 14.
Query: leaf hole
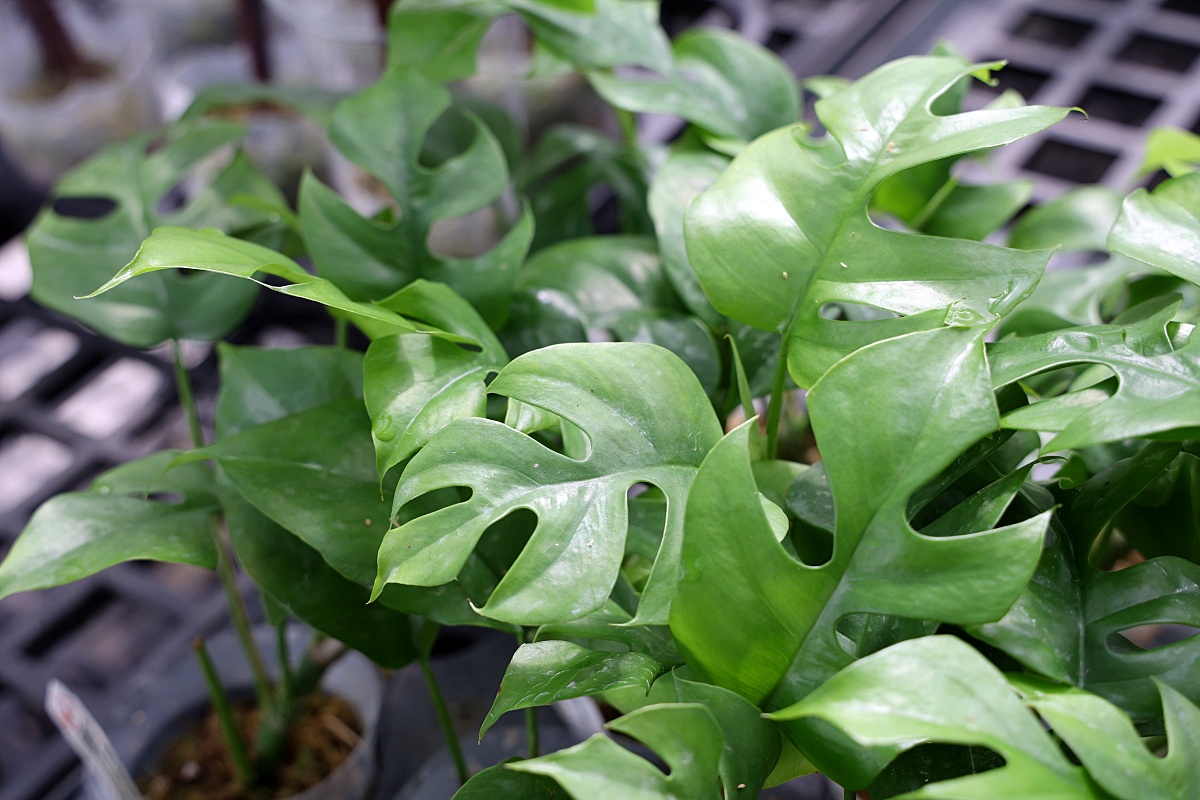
column 176, row 197
column 172, row 498
column 931, row 762
column 855, row 312
column 431, row 501
column 470, row 236
column 89, row 207
column 862, row 633
column 1141, row 638
column 451, row 135
column 505, row 539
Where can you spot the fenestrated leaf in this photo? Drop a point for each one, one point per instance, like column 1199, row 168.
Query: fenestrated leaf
column 417, row 384
column 1067, row 622
column 785, row 230
column 1109, row 747
column 940, row 689
column 71, row 256
column 1158, row 379
column 209, row 250
column 647, row 420
column 684, row 735
column 78, row 534
column 720, row 81
column 1076, row 221
column 751, row 618
column 1163, row 228
column 546, row 672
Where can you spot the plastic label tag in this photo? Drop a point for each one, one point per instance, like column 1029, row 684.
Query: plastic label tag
column 107, row 775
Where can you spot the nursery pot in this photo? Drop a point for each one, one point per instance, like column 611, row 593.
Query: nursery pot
column 48, row 127
column 164, row 703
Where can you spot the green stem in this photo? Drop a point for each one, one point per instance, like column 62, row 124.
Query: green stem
column 628, row 124
column 849, row 794
column 220, row 701
column 285, row 695
column 339, row 332
column 443, row 713
column 776, row 407
column 532, row 734
column 237, row 606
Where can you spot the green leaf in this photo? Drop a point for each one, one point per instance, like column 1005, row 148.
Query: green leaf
column 647, row 420
column 1067, row 623
column 784, row 232
column 1110, row 748
column 1077, row 221
column 500, row 782
column 1164, row 520
column 940, row 689
column 210, row 250
column 1158, row 380
column 417, row 384
column 720, row 81
column 751, row 743
column 686, row 173
column 562, row 173
column 546, row 672
column 384, row 129
column 751, row 618
column 1175, row 150
column 1163, row 228
column 317, row 104
column 71, row 255
column 120, row 519
column 259, row 386
column 684, row 735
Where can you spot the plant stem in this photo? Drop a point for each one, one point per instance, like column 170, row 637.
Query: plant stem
column 254, row 37
column 849, row 794
column 339, row 332
column 381, row 9
column 58, row 51
column 628, row 123
column 225, row 571
column 776, row 406
column 532, row 735
column 220, row 701
column 443, row 713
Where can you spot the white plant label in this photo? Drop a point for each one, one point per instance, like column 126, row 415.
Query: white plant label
column 109, row 778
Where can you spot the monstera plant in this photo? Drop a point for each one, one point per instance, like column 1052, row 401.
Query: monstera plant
column 587, row 437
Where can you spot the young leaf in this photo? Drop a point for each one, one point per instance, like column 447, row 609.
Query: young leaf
column 78, row 534
column 1158, row 380
column 210, row 250
column 416, row 384
column 720, row 81
column 751, row 618
column 71, row 256
column 785, row 231
column 684, row 735
column 647, row 420
column 940, row 689
column 546, row 672
column 1172, row 149
column 1163, row 228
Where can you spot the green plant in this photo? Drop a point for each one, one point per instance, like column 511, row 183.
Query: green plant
column 888, row 614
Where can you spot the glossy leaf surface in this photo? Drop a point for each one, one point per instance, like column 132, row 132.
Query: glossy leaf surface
column 751, row 618
column 416, row 384
column 546, row 672
column 647, row 420
column 78, row 534
column 940, row 689
column 685, row 736
column 1163, row 228
column 209, row 250
column 719, row 81
column 1158, row 379
column 785, row 231
column 73, row 255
